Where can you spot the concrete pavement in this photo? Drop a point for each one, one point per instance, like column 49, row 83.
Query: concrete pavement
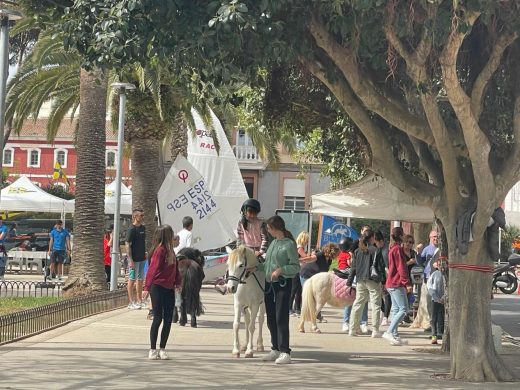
column 109, row 351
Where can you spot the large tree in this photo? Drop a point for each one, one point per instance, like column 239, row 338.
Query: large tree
column 431, row 84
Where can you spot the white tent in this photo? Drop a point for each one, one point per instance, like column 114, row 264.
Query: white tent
column 372, row 197
column 23, row 195
column 110, row 199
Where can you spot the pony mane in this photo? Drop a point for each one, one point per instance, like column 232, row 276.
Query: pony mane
column 237, row 253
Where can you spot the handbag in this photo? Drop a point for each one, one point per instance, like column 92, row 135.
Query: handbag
column 374, row 275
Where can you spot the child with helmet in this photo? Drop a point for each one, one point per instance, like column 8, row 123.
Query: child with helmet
column 251, row 232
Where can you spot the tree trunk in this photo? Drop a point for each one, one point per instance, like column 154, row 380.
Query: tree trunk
column 421, row 232
column 146, row 181
column 179, row 144
column 473, row 354
column 87, row 272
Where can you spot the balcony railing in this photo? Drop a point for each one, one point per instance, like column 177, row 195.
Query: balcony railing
column 245, row 153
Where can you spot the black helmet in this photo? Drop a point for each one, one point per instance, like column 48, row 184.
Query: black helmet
column 252, row 204
column 345, row 243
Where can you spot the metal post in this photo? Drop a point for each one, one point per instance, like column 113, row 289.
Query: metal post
column 122, row 87
column 5, row 16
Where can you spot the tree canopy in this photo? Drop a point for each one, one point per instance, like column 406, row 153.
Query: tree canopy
column 432, row 85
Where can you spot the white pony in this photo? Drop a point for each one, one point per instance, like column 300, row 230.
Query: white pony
column 317, row 291
column 248, row 290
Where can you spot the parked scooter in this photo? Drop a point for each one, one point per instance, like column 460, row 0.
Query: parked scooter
column 504, row 277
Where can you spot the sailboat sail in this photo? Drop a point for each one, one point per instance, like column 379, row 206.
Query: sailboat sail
column 185, row 192
column 221, row 170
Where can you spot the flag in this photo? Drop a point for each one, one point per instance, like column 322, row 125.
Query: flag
column 59, row 173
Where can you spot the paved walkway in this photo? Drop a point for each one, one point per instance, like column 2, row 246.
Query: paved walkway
column 109, row 351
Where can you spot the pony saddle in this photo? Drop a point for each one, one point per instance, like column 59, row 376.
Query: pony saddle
column 343, row 274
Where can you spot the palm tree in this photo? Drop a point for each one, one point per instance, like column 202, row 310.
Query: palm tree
column 87, row 271
column 51, row 73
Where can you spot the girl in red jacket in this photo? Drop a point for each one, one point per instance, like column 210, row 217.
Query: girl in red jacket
column 162, row 279
column 397, row 284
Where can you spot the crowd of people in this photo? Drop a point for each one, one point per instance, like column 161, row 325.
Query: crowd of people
column 379, row 271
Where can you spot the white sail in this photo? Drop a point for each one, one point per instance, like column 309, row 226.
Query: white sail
column 185, row 192
column 220, row 170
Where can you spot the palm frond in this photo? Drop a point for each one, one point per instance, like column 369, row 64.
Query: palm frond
column 60, row 108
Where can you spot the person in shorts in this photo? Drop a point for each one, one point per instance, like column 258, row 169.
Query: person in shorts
column 59, row 247
column 136, row 252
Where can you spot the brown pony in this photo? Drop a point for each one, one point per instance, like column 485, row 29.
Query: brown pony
column 191, row 264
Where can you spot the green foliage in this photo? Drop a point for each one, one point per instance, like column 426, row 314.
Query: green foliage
column 509, row 234
column 59, row 191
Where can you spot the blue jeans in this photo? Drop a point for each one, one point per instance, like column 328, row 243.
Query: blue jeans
column 399, row 308
column 364, row 315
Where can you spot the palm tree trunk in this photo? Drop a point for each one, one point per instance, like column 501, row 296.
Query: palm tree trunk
column 87, row 271
column 179, row 144
column 146, row 181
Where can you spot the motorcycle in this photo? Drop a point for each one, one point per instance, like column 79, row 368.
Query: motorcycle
column 504, row 277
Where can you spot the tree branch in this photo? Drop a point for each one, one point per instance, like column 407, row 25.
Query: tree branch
column 428, row 163
column 479, row 87
column 383, row 161
column 364, row 88
column 476, row 141
column 416, row 69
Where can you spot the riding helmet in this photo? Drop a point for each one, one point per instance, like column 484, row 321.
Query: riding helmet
column 345, row 243
column 252, row 204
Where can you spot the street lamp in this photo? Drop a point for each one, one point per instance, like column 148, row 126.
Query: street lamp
column 122, row 89
column 6, row 15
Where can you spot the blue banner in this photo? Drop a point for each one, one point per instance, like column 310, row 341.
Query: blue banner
column 333, row 230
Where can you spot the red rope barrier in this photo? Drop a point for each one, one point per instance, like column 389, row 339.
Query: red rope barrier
column 472, row 267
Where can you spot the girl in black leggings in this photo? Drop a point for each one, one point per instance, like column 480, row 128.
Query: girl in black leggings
column 161, row 282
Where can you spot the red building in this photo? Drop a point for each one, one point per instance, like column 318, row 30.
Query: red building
column 28, row 153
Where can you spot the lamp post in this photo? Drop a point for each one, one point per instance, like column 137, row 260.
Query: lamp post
column 6, row 15
column 122, row 89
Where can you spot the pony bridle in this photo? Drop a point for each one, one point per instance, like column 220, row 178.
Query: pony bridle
column 243, row 276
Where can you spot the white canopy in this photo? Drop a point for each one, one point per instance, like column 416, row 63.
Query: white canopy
column 372, row 197
column 23, row 195
column 110, row 199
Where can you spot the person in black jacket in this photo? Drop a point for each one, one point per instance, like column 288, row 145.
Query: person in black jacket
column 369, row 271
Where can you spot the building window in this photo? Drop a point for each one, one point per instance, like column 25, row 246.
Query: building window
column 294, row 203
column 294, row 194
column 243, row 139
column 33, row 158
column 8, row 157
column 111, row 159
column 60, row 155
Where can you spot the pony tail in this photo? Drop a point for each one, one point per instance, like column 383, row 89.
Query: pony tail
column 244, row 221
column 288, row 234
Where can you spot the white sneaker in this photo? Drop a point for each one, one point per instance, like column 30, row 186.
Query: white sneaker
column 163, row 355
column 345, row 327
column 390, row 337
column 143, row 305
column 271, row 356
column 364, row 328
column 134, row 306
column 284, row 358
column 403, row 342
column 385, row 321
column 153, row 354
column 376, row 334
